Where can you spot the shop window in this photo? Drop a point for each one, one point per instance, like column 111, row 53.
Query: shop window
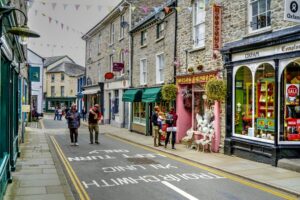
column 290, row 81
column 243, row 113
column 265, row 102
column 139, row 112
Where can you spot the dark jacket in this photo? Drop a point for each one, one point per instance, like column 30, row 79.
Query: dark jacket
column 154, row 119
column 92, row 117
column 73, row 119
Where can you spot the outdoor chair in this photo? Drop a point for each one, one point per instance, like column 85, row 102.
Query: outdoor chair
column 206, row 140
column 189, row 138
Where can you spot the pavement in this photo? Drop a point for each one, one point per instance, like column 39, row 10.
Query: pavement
column 40, row 176
column 282, row 179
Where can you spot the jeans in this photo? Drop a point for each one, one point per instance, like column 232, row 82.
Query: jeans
column 94, row 127
column 55, row 116
column 173, row 138
column 74, row 135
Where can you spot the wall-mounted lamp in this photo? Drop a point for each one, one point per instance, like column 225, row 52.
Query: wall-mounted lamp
column 22, row 31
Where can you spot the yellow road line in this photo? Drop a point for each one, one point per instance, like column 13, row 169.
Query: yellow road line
column 75, row 180
column 217, row 172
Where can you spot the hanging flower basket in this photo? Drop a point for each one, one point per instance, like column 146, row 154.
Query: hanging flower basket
column 190, row 69
column 216, row 89
column 200, row 67
column 169, row 92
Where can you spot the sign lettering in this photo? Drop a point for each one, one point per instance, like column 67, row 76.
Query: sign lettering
column 217, row 27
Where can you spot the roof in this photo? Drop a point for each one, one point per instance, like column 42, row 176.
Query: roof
column 36, row 54
column 68, row 68
column 51, row 60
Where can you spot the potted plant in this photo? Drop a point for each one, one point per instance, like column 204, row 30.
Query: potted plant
column 169, row 92
column 216, row 89
column 200, row 67
column 190, row 69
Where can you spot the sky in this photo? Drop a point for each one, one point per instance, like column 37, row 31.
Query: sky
column 61, row 24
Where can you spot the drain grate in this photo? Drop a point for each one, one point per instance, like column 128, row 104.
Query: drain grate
column 142, row 161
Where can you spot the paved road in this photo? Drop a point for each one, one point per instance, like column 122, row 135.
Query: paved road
column 116, row 169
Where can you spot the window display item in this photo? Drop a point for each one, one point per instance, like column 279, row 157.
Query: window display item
column 292, row 93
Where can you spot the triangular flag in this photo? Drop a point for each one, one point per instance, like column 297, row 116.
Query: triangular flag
column 43, row 3
column 178, row 9
column 145, row 9
column 167, row 9
column 156, row 9
column 62, row 26
column 61, row 46
column 133, row 8
column 73, row 29
column 190, row 9
column 65, row 6
column 54, row 45
column 88, row 7
column 50, row 19
column 48, row 45
column 44, row 14
column 56, row 21
column 67, row 28
column 35, row 12
column 121, row 8
column 77, row 6
column 99, row 8
column 53, row 6
column 29, row 4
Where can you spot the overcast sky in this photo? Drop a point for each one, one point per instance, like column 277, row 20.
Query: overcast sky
column 61, row 24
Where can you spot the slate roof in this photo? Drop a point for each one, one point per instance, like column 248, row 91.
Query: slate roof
column 51, row 60
column 68, row 68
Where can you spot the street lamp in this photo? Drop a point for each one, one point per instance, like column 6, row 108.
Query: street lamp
column 21, row 31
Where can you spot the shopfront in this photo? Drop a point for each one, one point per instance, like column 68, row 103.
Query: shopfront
column 192, row 101
column 263, row 107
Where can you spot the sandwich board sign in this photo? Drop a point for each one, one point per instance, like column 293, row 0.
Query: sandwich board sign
column 292, row 10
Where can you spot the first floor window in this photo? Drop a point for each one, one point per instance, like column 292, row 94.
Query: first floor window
column 160, row 30
column 139, row 112
column 62, row 91
column 143, row 71
column 259, row 14
column 144, row 37
column 52, row 78
column 62, row 77
column 160, row 65
column 199, row 23
column 52, row 91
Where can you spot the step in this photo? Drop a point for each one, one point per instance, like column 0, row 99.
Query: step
column 290, row 164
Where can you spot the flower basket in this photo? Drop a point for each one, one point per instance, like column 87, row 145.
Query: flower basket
column 199, row 67
column 216, row 89
column 169, row 92
column 190, row 69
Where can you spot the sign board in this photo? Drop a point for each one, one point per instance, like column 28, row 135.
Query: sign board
column 118, row 67
column 197, row 78
column 292, row 10
column 217, row 27
column 34, row 74
column 26, row 108
column 109, row 75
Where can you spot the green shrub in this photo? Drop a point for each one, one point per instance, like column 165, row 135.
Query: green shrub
column 216, row 89
column 169, row 92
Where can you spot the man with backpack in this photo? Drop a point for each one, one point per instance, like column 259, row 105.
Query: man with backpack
column 171, row 119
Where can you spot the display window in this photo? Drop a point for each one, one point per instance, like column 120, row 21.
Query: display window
column 139, row 113
column 289, row 90
column 254, row 101
column 200, row 104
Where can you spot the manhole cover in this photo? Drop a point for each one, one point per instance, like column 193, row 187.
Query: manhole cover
column 141, row 161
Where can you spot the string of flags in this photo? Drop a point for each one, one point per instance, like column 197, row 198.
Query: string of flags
column 41, row 44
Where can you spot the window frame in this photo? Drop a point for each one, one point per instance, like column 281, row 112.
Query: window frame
column 112, row 33
column 122, row 29
column 160, row 69
column 62, row 91
column 143, row 71
column 196, row 25
column 111, row 61
column 250, row 16
column 62, row 77
column 144, row 35
column 99, row 43
column 52, row 78
column 160, row 33
column 52, row 88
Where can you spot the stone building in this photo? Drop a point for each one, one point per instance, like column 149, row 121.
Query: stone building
column 61, row 85
column 198, row 60
column 153, row 53
column 109, row 43
column 262, row 58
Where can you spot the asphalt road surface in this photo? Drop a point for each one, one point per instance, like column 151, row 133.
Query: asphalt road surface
column 119, row 170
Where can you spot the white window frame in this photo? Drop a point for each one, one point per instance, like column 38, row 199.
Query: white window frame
column 143, row 71
column 144, row 35
column 89, row 48
column 111, row 61
column 160, row 68
column 99, row 43
column 112, row 33
column 160, row 30
column 199, row 12
column 250, row 16
column 122, row 29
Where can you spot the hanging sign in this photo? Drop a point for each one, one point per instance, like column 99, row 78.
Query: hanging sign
column 118, row 67
column 26, row 108
column 217, row 27
column 109, row 75
column 292, row 10
column 197, row 78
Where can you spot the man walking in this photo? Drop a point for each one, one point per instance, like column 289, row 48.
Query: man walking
column 155, row 127
column 94, row 117
column 73, row 119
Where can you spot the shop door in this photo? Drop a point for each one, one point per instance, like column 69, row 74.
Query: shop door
column 126, row 115
column 109, row 106
column 199, row 106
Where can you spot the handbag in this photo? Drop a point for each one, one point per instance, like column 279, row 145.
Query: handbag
column 172, row 129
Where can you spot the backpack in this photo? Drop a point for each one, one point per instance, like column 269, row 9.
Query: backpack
column 169, row 119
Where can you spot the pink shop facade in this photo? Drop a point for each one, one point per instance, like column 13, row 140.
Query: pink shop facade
column 193, row 106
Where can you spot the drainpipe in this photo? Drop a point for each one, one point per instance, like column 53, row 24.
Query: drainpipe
column 130, row 66
column 175, row 47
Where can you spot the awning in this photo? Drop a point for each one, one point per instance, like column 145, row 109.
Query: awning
column 132, row 95
column 151, row 95
column 91, row 91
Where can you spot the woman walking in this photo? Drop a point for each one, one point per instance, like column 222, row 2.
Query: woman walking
column 73, row 119
column 171, row 119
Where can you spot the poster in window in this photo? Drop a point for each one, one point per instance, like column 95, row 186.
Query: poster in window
column 34, row 74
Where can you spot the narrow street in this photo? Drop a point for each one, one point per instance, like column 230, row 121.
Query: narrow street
column 117, row 169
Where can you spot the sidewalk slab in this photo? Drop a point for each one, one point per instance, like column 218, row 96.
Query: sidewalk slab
column 282, row 179
column 36, row 176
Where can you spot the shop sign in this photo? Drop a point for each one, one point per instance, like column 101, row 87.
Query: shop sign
column 216, row 27
column 292, row 91
column 198, row 78
column 268, row 51
column 26, row 108
column 292, row 10
column 109, row 75
column 118, row 67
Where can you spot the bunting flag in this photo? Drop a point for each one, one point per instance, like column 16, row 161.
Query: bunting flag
column 56, row 21
column 178, row 9
column 145, row 9
column 35, row 12
column 121, row 8
column 88, row 7
column 67, row 28
column 53, row 6
column 77, row 6
column 62, row 26
column 44, row 14
column 50, row 19
column 99, row 8
column 65, row 6
column 167, row 9
column 133, row 8
column 156, row 9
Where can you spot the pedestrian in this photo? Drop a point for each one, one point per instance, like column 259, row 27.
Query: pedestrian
column 56, row 113
column 83, row 112
column 73, row 119
column 59, row 113
column 155, row 125
column 171, row 119
column 93, row 120
column 161, row 122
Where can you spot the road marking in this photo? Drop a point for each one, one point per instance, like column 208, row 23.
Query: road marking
column 257, row 186
column 178, row 190
column 75, row 180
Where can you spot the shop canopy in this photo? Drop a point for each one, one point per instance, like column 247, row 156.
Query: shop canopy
column 132, row 95
column 151, row 95
column 88, row 91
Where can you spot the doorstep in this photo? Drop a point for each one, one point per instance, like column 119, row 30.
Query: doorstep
column 290, row 164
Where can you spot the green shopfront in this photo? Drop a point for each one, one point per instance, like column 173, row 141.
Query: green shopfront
column 143, row 101
column 263, row 96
